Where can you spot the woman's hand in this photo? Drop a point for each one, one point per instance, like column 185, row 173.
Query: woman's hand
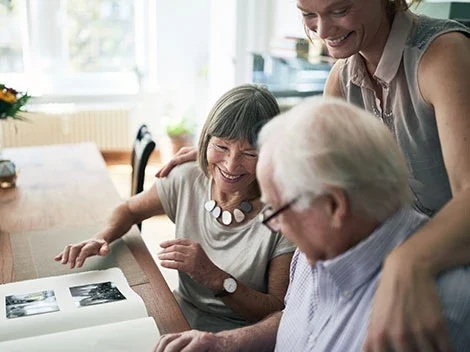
column 189, row 257
column 183, row 155
column 75, row 254
column 406, row 314
column 192, row 341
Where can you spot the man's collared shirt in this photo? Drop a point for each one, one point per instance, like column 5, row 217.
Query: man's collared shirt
column 328, row 305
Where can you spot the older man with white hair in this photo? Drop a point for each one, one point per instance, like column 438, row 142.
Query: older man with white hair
column 336, row 184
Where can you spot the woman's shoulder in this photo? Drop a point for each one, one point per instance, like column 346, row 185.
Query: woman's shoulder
column 187, row 173
column 186, row 169
column 426, row 29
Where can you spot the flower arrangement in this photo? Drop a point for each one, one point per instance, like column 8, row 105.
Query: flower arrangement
column 11, row 103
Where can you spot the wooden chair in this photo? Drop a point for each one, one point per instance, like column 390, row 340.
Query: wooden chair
column 143, row 147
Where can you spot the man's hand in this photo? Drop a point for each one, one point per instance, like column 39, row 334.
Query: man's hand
column 75, row 254
column 189, row 257
column 183, row 155
column 192, row 341
column 406, row 314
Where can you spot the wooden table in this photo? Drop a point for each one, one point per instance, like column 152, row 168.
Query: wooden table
column 69, row 185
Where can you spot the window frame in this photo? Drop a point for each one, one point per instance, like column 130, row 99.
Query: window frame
column 63, row 87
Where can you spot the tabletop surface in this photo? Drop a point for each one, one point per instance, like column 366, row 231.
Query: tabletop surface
column 64, row 186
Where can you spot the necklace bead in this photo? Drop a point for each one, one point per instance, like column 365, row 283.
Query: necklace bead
column 216, row 212
column 226, row 217
column 210, row 205
column 246, row 207
column 239, row 214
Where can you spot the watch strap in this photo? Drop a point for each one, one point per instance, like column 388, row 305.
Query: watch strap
column 222, row 293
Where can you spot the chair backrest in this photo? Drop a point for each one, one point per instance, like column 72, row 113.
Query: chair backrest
column 143, row 147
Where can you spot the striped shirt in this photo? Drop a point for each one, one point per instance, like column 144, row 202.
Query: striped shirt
column 328, row 305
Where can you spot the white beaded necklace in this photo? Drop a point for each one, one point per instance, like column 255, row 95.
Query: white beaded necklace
column 227, row 217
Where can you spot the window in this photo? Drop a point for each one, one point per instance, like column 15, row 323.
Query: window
column 59, row 49
column 11, row 51
column 100, row 38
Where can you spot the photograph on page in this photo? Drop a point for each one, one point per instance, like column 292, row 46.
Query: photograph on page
column 97, row 293
column 22, row 305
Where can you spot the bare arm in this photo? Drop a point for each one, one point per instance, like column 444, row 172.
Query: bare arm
column 137, row 208
column 188, row 256
column 255, row 305
column 407, row 312
column 258, row 337
column 445, row 240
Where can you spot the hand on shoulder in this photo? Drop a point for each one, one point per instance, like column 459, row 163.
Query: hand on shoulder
column 183, row 155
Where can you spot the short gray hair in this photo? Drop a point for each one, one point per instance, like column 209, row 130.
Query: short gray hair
column 238, row 115
column 327, row 141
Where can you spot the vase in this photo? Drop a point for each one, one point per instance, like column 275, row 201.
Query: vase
column 7, row 174
column 1, row 140
column 169, row 146
column 178, row 142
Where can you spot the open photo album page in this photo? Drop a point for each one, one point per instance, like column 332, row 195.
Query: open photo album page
column 59, row 305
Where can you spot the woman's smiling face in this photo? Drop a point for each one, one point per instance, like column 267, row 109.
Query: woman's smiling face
column 232, row 164
column 346, row 26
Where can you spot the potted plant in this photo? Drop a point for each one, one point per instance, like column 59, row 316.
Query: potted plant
column 180, row 132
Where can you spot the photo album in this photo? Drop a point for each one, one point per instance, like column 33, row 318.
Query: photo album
column 88, row 311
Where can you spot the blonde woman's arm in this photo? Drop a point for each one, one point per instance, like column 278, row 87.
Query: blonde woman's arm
column 407, row 313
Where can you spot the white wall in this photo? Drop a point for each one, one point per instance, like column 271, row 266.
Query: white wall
column 221, row 70
column 287, row 19
column 183, row 35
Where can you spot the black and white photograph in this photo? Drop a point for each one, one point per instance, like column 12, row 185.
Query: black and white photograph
column 98, row 293
column 23, row 305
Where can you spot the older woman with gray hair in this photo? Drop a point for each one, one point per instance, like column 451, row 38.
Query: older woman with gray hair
column 340, row 193
column 232, row 270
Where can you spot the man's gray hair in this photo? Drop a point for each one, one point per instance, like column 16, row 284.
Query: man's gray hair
column 327, row 141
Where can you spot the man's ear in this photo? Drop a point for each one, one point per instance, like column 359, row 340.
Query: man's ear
column 337, row 205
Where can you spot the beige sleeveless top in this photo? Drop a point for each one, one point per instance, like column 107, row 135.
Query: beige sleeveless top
column 405, row 112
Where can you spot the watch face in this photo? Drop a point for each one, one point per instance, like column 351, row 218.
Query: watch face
column 230, row 285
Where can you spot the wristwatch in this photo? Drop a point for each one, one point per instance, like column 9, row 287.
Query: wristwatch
column 230, row 286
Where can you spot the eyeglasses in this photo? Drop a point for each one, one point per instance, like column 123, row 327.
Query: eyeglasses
column 269, row 218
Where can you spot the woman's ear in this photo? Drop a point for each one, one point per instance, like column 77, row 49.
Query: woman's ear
column 338, row 206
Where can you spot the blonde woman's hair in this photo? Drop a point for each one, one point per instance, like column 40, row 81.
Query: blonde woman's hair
column 327, row 141
column 401, row 5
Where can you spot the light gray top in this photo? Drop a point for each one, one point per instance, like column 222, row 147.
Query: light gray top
column 409, row 117
column 243, row 251
column 328, row 305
